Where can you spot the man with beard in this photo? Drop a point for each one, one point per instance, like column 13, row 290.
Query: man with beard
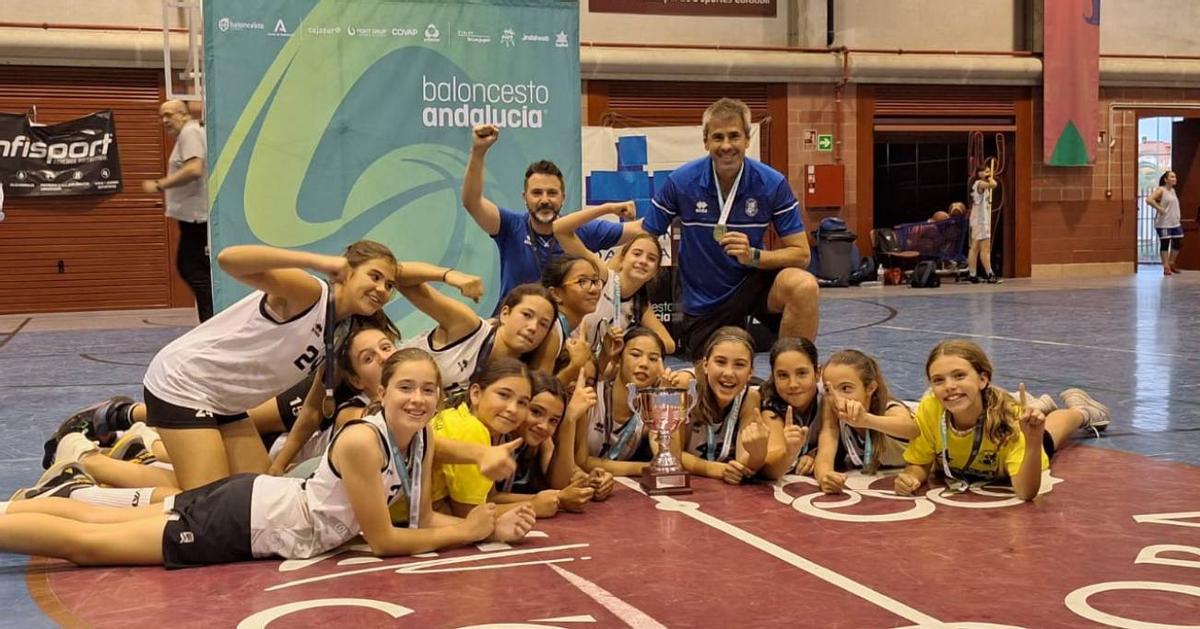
column 526, row 239
column 725, row 201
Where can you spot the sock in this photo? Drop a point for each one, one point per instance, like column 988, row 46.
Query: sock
column 113, row 496
column 3, row 507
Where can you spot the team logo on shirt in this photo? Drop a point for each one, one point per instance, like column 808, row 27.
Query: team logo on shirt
column 751, row 207
column 317, row 329
column 701, row 207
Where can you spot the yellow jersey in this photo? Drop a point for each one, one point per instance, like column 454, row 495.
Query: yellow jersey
column 463, row 483
column 992, row 462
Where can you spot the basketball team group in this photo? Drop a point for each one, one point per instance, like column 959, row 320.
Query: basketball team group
column 297, row 419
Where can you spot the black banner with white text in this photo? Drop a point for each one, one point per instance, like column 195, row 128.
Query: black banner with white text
column 68, row 158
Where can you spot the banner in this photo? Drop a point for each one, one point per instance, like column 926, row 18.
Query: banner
column 330, row 121
column 736, row 8
column 631, row 164
column 73, row 157
column 1071, row 81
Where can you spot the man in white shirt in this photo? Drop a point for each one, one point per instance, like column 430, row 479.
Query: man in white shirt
column 186, row 192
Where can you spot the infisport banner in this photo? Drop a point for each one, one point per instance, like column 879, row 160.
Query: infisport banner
column 332, row 120
column 73, row 157
column 1070, row 81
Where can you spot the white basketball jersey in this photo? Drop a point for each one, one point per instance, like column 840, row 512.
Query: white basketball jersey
column 240, row 358
column 456, row 360
column 299, row 518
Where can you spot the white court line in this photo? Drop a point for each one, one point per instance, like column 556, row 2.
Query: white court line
column 629, row 614
column 1031, row 341
column 821, row 572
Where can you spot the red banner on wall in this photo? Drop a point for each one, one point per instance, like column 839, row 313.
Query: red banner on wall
column 715, row 8
column 1070, row 81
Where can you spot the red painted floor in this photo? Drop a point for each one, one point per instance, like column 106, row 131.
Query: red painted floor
column 736, row 557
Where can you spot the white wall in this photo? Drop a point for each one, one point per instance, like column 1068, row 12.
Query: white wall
column 146, row 13
column 672, row 29
column 987, row 25
column 1161, row 27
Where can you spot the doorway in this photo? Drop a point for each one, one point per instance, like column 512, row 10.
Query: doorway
column 1168, row 143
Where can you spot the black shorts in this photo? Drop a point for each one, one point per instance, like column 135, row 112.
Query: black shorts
column 291, row 401
column 210, row 524
column 1048, row 444
column 749, row 299
column 163, row 414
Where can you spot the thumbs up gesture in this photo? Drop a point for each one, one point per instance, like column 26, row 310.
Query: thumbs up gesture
column 497, row 462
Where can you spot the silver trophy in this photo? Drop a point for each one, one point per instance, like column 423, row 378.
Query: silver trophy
column 663, row 409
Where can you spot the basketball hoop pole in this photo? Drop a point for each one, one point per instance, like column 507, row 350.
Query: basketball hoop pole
column 193, row 73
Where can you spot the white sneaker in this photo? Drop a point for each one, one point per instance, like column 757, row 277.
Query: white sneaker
column 58, row 481
column 1043, row 403
column 139, row 438
column 1096, row 416
column 72, row 447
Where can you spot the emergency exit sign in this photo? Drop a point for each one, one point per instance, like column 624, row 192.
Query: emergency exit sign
column 825, row 142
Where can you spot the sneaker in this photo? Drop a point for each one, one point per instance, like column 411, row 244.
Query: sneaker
column 992, row 278
column 1096, row 416
column 1043, row 403
column 95, row 421
column 974, row 279
column 59, row 481
column 72, row 447
column 139, row 438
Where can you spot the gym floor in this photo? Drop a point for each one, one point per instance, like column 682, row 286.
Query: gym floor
column 1116, row 541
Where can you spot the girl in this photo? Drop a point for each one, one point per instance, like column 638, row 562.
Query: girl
column 861, row 426
column 370, row 463
column 724, row 438
column 624, row 301
column 971, row 429
column 575, row 285
column 497, row 403
column 199, row 387
column 791, row 404
column 982, row 185
column 545, row 463
column 615, row 439
column 1167, row 220
column 463, row 343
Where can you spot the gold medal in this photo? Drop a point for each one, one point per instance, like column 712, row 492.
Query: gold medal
column 719, row 232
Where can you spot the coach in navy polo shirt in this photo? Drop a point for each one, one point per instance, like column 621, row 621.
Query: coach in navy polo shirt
column 725, row 202
column 526, row 239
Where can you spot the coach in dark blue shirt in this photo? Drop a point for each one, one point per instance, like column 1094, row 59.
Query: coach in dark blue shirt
column 526, row 239
column 725, row 202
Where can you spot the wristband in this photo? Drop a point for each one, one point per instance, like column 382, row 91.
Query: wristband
column 755, row 257
column 445, row 275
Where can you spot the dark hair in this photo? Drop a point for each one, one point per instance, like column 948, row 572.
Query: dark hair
column 499, row 369
column 345, row 367
column 1162, row 181
column 363, row 251
column 767, row 393
column 544, row 167
column 639, row 331
column 542, row 382
column 521, row 291
column 556, row 270
column 706, row 408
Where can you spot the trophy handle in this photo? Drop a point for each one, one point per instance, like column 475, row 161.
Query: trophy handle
column 692, row 399
column 631, row 398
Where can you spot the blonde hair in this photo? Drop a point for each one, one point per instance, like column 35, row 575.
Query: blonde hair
column 999, row 423
column 869, row 373
column 725, row 109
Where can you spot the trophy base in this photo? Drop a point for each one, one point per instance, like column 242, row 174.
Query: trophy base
column 665, row 483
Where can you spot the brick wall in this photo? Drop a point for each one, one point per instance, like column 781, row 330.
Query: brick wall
column 812, row 106
column 1089, row 215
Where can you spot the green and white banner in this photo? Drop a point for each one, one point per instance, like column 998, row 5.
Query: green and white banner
column 334, row 120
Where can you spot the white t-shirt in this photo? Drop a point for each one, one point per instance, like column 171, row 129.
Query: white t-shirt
column 1171, row 217
column 240, row 358
column 189, row 202
column 597, row 322
column 299, row 518
column 457, row 360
